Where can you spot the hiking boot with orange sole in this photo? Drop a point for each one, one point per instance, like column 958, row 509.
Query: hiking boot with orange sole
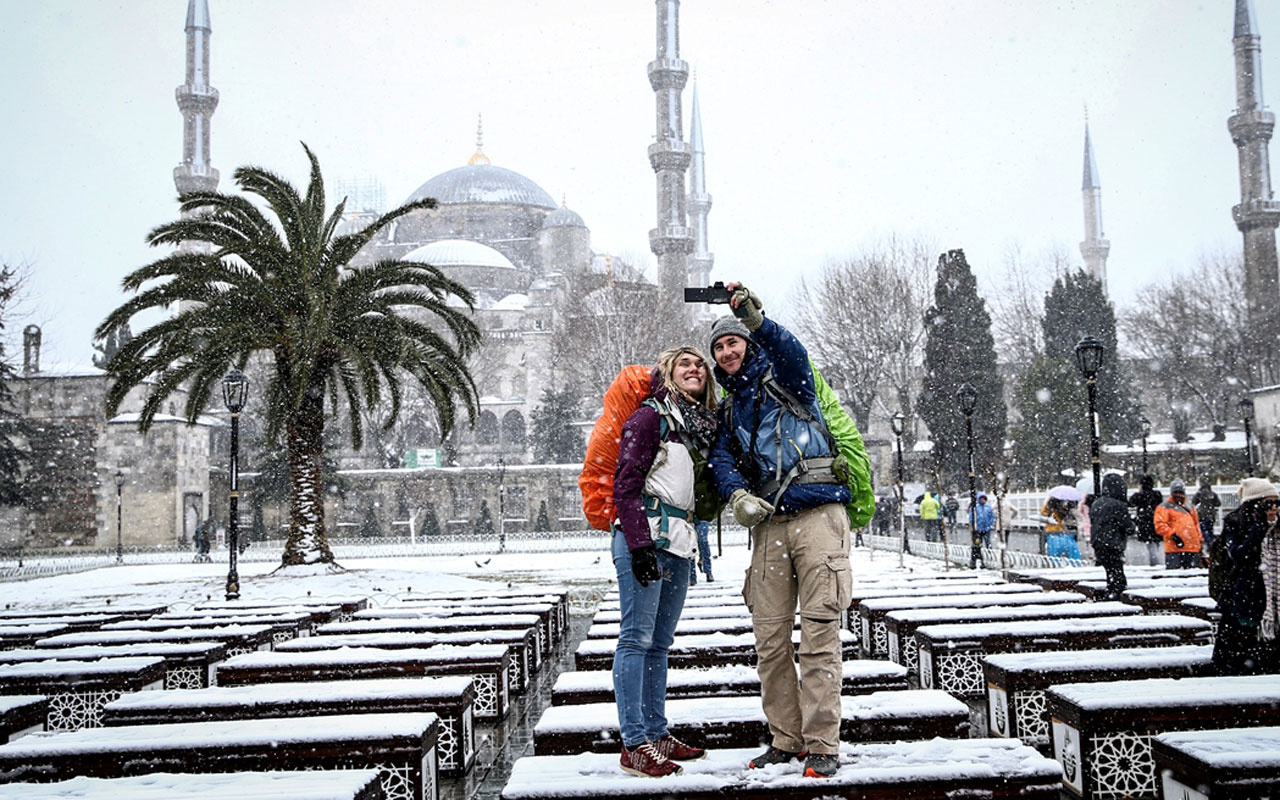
column 821, row 765
column 772, row 756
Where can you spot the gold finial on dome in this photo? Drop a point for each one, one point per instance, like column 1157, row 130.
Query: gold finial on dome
column 478, row 157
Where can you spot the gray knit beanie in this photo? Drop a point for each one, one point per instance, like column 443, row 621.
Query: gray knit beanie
column 728, row 325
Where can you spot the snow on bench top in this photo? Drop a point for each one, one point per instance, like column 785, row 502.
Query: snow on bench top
column 10, row 702
column 15, row 628
column 169, row 623
column 876, row 604
column 699, row 641
column 431, row 623
column 90, row 652
column 686, row 626
column 1207, row 603
column 64, row 669
column 167, row 634
column 445, row 612
column 1002, row 612
column 359, row 729
column 530, row 599
column 725, row 770
column 1051, row 627
column 366, row 655
column 312, row 785
column 109, row 610
column 736, row 610
column 898, row 704
column 729, row 674
column 1180, row 591
column 1119, row 658
column 689, row 602
column 949, row 590
column 307, row 603
column 1172, row 692
column 511, row 591
column 399, row 639
column 353, row 691
column 70, row 619
column 1229, row 748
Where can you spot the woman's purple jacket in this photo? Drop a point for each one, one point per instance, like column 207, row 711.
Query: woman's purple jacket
column 636, row 451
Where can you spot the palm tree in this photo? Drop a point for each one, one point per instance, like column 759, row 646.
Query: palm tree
column 281, row 285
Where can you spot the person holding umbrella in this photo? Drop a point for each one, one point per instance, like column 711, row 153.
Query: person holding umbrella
column 1059, row 522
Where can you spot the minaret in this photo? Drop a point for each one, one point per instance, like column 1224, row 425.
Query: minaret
column 1258, row 214
column 669, row 156
column 196, row 100
column 1094, row 248
column 699, row 205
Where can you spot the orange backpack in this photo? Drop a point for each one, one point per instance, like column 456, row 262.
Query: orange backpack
column 628, row 390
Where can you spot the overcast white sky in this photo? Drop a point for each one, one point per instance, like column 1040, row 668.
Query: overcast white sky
column 827, row 124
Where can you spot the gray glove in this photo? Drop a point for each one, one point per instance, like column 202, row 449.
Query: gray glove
column 748, row 509
column 748, row 308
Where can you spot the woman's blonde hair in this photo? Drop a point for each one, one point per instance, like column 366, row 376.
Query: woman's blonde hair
column 667, row 367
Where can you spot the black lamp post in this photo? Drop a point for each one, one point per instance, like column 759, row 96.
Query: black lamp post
column 119, row 518
column 967, row 397
column 1246, row 413
column 1089, row 354
column 896, row 423
column 502, row 497
column 1144, row 426
column 235, row 388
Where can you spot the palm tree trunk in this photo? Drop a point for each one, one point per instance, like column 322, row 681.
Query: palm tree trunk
column 308, row 542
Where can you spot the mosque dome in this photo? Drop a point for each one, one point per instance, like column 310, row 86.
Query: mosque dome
column 484, row 183
column 459, row 253
column 562, row 217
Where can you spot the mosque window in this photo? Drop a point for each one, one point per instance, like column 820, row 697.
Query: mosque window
column 513, row 429
column 487, row 428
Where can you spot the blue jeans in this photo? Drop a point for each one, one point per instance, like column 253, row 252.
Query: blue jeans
column 649, row 617
column 704, row 552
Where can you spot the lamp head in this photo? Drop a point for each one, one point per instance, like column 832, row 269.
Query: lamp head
column 967, row 396
column 1089, row 353
column 235, row 390
column 1144, row 426
column 119, row 480
column 896, row 422
column 1246, row 408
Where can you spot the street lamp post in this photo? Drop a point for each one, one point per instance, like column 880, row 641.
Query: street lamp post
column 119, row 518
column 1089, row 354
column 235, row 388
column 967, row 396
column 1144, row 426
column 1002, row 488
column 1246, row 413
column 502, row 496
column 896, row 422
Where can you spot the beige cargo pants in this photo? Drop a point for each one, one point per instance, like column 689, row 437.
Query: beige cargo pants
column 802, row 558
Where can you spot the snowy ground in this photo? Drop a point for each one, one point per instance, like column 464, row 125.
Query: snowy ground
column 381, row 579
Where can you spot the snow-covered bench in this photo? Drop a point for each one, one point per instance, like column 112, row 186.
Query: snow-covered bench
column 901, row 624
column 951, row 655
column 1067, row 578
column 547, row 612
column 993, row 769
column 686, row 626
column 188, row 665
column 523, row 644
column 1166, row 597
column 238, row 638
column 283, row 626
column 1227, row 763
column 874, row 633
column 124, row 612
column 25, row 633
column 319, row 614
column 1016, row 682
column 488, row 664
column 703, row 650
column 69, row 623
column 351, row 784
column 497, row 597
column 861, row 625
column 337, row 609
column 402, row 747
column 77, row 690
column 469, row 623
column 734, row 680
column 1102, row 732
column 729, row 610
column 739, row 721
column 451, row 698
column 21, row 714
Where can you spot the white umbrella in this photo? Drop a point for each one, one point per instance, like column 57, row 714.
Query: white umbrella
column 1085, row 485
column 1065, row 492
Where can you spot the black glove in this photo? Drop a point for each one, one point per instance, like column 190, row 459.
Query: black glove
column 644, row 565
column 1177, row 540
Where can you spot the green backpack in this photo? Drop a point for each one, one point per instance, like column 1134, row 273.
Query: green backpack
column 863, row 505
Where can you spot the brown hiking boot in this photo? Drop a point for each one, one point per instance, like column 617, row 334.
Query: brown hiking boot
column 774, row 755
column 676, row 750
column 645, row 760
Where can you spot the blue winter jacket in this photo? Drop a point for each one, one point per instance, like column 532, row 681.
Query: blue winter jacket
column 776, row 348
column 984, row 517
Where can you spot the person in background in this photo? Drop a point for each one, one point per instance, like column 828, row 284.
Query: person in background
column 1144, row 503
column 1178, row 524
column 1111, row 527
column 951, row 510
column 931, row 516
column 883, row 517
column 704, row 553
column 982, row 519
column 1059, row 529
column 1207, row 504
column 656, row 489
column 1249, row 551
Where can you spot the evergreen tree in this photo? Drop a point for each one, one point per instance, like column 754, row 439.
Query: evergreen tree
column 555, row 439
column 429, row 524
column 1077, row 306
column 543, row 523
column 258, row 528
column 106, row 347
column 1051, row 434
column 370, row 529
column 484, row 523
column 959, row 349
column 15, row 431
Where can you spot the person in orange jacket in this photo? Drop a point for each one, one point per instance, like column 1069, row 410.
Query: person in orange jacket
column 1178, row 524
